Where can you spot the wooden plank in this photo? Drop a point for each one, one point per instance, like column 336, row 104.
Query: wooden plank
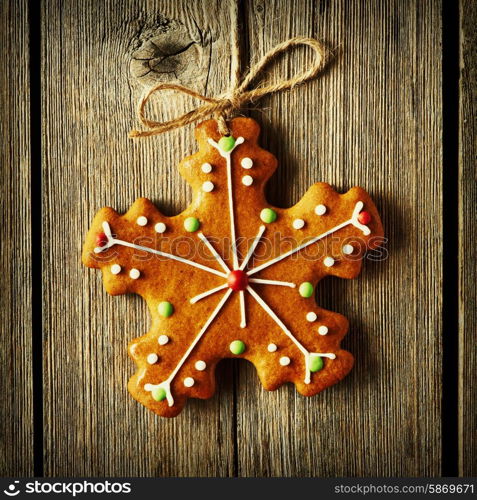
column 93, row 77
column 374, row 119
column 468, row 237
column 16, row 408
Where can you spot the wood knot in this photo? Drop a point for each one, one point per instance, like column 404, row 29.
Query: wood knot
column 167, row 52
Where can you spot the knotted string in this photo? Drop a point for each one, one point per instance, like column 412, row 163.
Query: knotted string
column 223, row 106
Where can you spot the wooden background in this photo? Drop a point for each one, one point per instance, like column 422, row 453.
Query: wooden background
column 374, row 119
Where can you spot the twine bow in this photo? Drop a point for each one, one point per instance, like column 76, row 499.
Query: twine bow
column 223, row 106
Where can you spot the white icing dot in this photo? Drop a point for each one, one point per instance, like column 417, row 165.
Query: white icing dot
column 152, row 358
column 247, row 180
column 148, row 387
column 285, row 361
column 141, row 221
column 348, row 249
column 134, row 274
column 272, row 347
column 311, row 316
column 163, row 339
column 320, row 210
column 246, row 163
column 323, row 330
column 332, row 356
column 200, row 365
column 208, row 186
column 328, row 261
column 206, row 168
column 115, row 268
column 189, row 382
column 160, row 227
column 298, row 224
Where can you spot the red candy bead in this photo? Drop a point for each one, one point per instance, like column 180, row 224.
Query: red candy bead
column 101, row 240
column 237, row 280
column 364, row 218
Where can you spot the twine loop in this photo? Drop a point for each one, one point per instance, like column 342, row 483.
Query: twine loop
column 223, row 106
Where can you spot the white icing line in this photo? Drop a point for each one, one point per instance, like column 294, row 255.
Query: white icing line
column 231, row 210
column 112, row 241
column 201, row 296
column 272, row 282
column 277, row 320
column 243, row 317
column 218, row 258
column 166, row 385
column 252, row 248
column 307, row 355
column 228, row 160
column 329, row 355
column 109, row 236
column 298, row 248
column 353, row 220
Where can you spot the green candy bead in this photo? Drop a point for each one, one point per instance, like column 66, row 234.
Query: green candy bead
column 165, row 309
column 306, row 290
column 191, row 224
column 227, row 143
column 268, row 215
column 159, row 394
column 237, row 347
column 316, row 364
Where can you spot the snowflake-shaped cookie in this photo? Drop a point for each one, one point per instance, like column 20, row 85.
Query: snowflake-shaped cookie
column 232, row 276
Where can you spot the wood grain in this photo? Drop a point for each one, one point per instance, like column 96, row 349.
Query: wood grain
column 16, row 408
column 92, row 425
column 468, row 237
column 373, row 120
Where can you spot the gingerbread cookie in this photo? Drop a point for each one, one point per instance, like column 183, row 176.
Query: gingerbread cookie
column 233, row 276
